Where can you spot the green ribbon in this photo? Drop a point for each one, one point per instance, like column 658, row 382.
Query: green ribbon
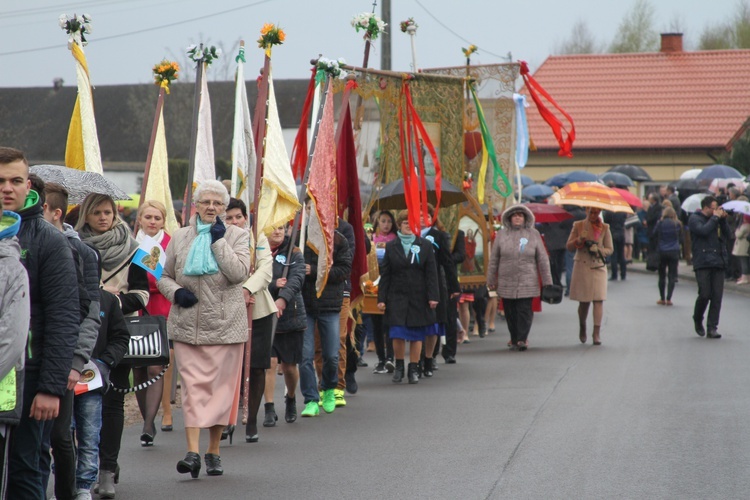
column 240, row 56
column 320, row 76
column 487, row 137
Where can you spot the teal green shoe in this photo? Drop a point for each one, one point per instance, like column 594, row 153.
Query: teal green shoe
column 311, row 409
column 329, row 401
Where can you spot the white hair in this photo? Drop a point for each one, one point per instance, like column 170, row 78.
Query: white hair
column 215, row 187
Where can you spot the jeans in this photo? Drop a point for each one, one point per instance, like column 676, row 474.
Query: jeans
column 87, row 422
column 24, row 476
column 343, row 338
column 618, row 257
column 668, row 261
column 710, row 291
column 328, row 330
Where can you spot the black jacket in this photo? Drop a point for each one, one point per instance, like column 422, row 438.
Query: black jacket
column 709, row 245
column 53, row 286
column 293, row 318
column 616, row 221
column 112, row 342
column 347, row 230
column 408, row 283
column 447, row 275
column 332, row 296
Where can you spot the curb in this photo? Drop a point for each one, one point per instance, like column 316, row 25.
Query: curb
column 729, row 286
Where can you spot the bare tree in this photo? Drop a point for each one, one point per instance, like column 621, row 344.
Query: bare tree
column 741, row 25
column 636, row 32
column 716, row 37
column 221, row 69
column 581, row 41
column 734, row 34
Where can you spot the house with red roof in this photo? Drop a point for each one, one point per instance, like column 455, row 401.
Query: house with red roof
column 667, row 111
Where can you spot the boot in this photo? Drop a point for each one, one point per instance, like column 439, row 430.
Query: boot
column 582, row 331
column 413, row 375
column 271, row 417
column 213, row 464
column 106, row 484
column 398, row 373
column 427, row 371
column 290, row 409
column 597, row 340
column 191, row 463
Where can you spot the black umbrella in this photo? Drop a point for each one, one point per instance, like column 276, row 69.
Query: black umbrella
column 635, row 172
column 687, row 184
column 391, row 196
column 617, row 178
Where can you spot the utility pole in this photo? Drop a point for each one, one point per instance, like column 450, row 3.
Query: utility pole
column 385, row 44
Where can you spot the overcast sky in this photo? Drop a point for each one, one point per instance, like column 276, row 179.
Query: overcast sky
column 529, row 30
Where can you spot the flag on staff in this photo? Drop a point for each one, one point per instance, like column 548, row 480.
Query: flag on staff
column 82, row 147
column 243, row 145
column 278, row 194
column 322, row 190
column 157, row 184
column 205, row 167
column 348, row 198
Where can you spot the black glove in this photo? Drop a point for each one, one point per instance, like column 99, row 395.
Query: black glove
column 104, row 370
column 185, row 298
column 217, row 230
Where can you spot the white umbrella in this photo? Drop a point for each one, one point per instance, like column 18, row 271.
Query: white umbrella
column 737, row 206
column 723, row 183
column 691, row 174
column 692, row 202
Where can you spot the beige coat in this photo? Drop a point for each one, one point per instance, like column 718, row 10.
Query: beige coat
column 220, row 316
column 258, row 282
column 513, row 270
column 589, row 280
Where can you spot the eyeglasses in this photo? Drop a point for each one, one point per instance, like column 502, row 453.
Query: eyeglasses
column 208, row 203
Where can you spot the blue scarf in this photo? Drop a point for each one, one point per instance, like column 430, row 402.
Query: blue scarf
column 406, row 241
column 200, row 259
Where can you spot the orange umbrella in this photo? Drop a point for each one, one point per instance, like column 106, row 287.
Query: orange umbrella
column 591, row 194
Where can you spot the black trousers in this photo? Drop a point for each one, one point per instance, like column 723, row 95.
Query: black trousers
column 557, row 265
column 710, row 291
column 451, row 330
column 57, row 433
column 481, row 297
column 24, row 474
column 618, row 258
column 668, row 273
column 113, row 420
column 383, row 342
column 518, row 315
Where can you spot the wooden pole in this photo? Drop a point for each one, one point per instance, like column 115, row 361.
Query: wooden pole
column 149, row 158
column 193, row 140
column 260, row 127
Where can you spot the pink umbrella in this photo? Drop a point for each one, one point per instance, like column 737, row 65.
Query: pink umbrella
column 632, row 199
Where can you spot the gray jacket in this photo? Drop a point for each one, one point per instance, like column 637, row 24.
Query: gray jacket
column 15, row 314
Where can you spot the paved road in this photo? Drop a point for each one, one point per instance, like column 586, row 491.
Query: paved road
column 655, row 412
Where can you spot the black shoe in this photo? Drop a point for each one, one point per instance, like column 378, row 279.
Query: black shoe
column 380, row 368
column 450, row 360
column 482, row 332
column 413, row 374
column 398, row 372
column 427, row 370
column 147, row 439
column 613, row 278
column 351, row 383
column 191, row 463
column 389, row 366
column 213, row 464
column 290, row 410
column 251, row 433
column 166, row 428
column 228, row 432
column 699, row 328
column 361, row 362
column 713, row 334
column 270, row 419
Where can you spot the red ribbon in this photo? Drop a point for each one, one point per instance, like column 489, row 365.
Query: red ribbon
column 299, row 150
column 566, row 144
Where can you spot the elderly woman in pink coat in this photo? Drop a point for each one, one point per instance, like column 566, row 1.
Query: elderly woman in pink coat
column 518, row 263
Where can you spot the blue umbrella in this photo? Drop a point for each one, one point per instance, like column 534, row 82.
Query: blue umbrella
column 565, row 178
column 537, row 191
column 526, row 181
column 719, row 172
column 616, row 178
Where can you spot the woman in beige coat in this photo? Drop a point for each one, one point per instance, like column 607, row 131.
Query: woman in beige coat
column 207, row 263
column 517, row 263
column 591, row 240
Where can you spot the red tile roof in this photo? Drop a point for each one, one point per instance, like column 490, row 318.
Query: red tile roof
column 650, row 100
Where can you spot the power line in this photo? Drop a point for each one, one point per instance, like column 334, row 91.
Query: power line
column 137, row 32
column 484, row 51
column 42, row 10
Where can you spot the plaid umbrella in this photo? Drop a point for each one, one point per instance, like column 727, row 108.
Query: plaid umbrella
column 79, row 183
column 591, row 194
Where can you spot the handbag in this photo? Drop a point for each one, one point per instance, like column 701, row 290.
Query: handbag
column 149, row 343
column 552, row 294
column 632, row 221
column 652, row 260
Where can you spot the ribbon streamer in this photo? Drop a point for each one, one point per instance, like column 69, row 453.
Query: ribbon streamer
column 488, row 153
column 299, row 150
column 566, row 144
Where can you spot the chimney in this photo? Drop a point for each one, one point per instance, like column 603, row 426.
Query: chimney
column 671, row 42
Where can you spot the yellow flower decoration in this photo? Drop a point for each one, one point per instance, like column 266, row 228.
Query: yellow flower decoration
column 165, row 73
